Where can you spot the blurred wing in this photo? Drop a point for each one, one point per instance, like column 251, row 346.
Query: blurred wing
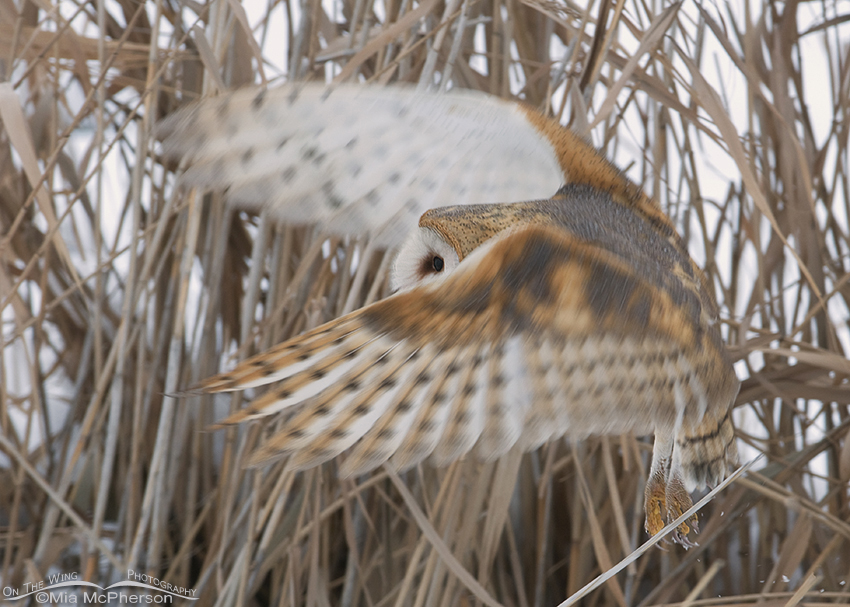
column 536, row 334
column 361, row 158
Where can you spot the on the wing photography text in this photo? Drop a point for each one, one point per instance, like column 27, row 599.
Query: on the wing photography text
column 68, row 589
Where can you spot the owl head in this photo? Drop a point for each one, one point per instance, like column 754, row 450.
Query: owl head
column 447, row 235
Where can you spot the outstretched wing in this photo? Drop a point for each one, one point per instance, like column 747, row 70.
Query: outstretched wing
column 360, row 158
column 535, row 334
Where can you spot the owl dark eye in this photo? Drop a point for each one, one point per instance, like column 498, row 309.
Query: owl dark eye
column 437, row 263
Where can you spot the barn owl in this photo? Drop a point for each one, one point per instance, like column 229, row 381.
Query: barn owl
column 517, row 323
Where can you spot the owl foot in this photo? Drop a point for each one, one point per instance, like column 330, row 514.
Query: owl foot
column 678, row 502
column 667, row 497
column 666, row 500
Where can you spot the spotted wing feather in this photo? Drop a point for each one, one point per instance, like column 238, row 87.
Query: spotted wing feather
column 361, row 158
column 536, row 334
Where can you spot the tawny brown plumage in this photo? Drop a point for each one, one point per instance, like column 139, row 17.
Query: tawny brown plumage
column 515, row 324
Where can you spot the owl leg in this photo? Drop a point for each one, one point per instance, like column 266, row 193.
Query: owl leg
column 708, row 452
column 666, row 497
column 700, row 456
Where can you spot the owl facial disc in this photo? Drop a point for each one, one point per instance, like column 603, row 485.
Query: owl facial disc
column 425, row 255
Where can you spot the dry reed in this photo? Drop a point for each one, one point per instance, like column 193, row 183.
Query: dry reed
column 116, row 289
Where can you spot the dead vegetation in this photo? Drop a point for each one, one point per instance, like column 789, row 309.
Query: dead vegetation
column 115, row 289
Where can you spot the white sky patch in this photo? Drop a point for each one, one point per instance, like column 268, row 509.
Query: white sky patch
column 515, row 74
column 16, row 354
column 478, row 62
column 380, row 11
column 270, row 28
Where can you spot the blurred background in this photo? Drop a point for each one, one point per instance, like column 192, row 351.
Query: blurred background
column 117, row 288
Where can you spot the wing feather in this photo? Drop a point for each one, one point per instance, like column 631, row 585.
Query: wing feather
column 466, row 416
column 287, row 359
column 433, row 411
column 340, row 413
column 542, row 420
column 387, row 436
column 354, row 156
column 359, row 415
column 534, row 335
column 507, row 401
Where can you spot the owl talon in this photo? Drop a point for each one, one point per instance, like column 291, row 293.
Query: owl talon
column 655, row 505
column 657, row 498
column 667, row 498
column 683, row 540
column 679, row 502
